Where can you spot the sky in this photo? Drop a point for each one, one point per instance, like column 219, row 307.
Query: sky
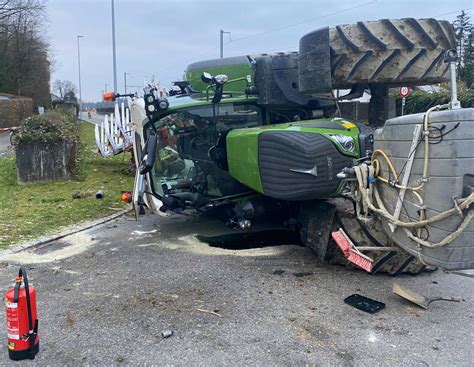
column 159, row 38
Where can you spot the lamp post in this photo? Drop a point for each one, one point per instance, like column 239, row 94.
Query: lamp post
column 222, row 41
column 125, row 81
column 79, row 67
column 113, row 47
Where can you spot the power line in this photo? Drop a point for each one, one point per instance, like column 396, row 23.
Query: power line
column 272, row 30
column 453, row 12
column 291, row 26
column 303, row 22
column 194, row 58
column 295, row 46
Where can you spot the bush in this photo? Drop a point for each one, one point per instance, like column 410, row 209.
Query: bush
column 420, row 101
column 50, row 128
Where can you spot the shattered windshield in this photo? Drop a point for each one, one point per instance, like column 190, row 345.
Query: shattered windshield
column 185, row 140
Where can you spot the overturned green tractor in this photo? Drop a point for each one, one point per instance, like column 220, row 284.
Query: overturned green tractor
column 259, row 137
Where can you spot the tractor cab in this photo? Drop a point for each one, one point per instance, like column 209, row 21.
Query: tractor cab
column 191, row 151
column 211, row 145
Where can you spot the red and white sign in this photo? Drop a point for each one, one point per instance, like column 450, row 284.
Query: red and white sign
column 405, row 91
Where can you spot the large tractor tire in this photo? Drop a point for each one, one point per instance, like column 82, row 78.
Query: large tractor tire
column 317, row 219
column 394, row 52
column 385, row 262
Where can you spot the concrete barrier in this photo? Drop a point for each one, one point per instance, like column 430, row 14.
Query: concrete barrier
column 42, row 162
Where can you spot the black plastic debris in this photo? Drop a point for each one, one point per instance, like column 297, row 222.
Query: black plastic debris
column 364, row 303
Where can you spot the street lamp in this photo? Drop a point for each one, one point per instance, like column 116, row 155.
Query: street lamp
column 113, row 47
column 79, row 67
column 222, row 41
column 125, row 81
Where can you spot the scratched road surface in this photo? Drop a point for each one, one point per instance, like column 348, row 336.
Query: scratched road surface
column 105, row 296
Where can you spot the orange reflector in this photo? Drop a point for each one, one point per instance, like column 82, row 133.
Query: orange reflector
column 109, row 97
column 126, row 196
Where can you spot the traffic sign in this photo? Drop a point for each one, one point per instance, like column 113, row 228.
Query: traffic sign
column 405, row 91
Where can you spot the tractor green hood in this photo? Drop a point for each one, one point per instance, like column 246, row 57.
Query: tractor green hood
column 293, row 161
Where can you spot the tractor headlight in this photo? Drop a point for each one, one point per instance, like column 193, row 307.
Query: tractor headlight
column 151, row 108
column 347, row 143
column 163, row 103
column 221, row 79
column 150, row 99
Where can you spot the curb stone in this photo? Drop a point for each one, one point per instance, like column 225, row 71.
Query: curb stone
column 64, row 233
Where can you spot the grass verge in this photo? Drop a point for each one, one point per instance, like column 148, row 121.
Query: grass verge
column 30, row 211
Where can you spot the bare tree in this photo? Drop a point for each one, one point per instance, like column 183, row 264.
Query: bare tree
column 24, row 64
column 65, row 89
column 11, row 8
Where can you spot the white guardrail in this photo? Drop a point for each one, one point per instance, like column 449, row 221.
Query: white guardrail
column 114, row 135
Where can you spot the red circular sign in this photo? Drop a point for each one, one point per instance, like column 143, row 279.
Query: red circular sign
column 405, row 91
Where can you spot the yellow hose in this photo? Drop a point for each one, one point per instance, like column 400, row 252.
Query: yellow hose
column 362, row 173
column 377, row 166
column 366, row 196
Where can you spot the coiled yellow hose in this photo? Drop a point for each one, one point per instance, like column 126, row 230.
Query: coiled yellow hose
column 378, row 152
column 370, row 198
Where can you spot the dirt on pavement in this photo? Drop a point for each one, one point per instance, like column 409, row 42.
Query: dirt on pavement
column 105, row 296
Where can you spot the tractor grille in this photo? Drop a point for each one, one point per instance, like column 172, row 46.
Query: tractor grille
column 283, row 155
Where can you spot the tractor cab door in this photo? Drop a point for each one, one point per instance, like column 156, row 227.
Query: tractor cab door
column 144, row 150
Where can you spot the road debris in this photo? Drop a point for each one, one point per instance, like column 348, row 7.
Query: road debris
column 209, row 312
column 126, row 196
column 166, row 333
column 303, row 274
column 81, row 195
column 417, row 298
column 364, row 303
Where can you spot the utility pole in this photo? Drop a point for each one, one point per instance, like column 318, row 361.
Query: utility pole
column 125, row 81
column 79, row 67
column 222, row 41
column 113, row 47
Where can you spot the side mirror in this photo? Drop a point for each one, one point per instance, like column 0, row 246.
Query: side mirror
column 206, row 78
column 150, row 154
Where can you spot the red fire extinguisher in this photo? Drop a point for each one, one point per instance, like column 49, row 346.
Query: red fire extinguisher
column 22, row 321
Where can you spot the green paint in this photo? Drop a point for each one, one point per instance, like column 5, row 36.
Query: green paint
column 180, row 103
column 242, row 157
column 232, row 71
column 242, row 146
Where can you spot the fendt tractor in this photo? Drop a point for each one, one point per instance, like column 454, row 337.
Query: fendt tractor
column 260, row 136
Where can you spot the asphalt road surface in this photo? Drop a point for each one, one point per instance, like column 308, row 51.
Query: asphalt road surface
column 4, row 143
column 105, row 296
column 95, row 118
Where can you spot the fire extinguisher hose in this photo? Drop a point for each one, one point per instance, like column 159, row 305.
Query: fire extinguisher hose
column 32, row 330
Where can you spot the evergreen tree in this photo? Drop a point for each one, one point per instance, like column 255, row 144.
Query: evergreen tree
column 463, row 31
column 467, row 72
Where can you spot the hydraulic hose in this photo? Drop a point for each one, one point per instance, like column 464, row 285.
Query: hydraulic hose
column 362, row 195
column 377, row 152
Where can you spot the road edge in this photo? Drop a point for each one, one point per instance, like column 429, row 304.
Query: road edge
column 64, row 233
